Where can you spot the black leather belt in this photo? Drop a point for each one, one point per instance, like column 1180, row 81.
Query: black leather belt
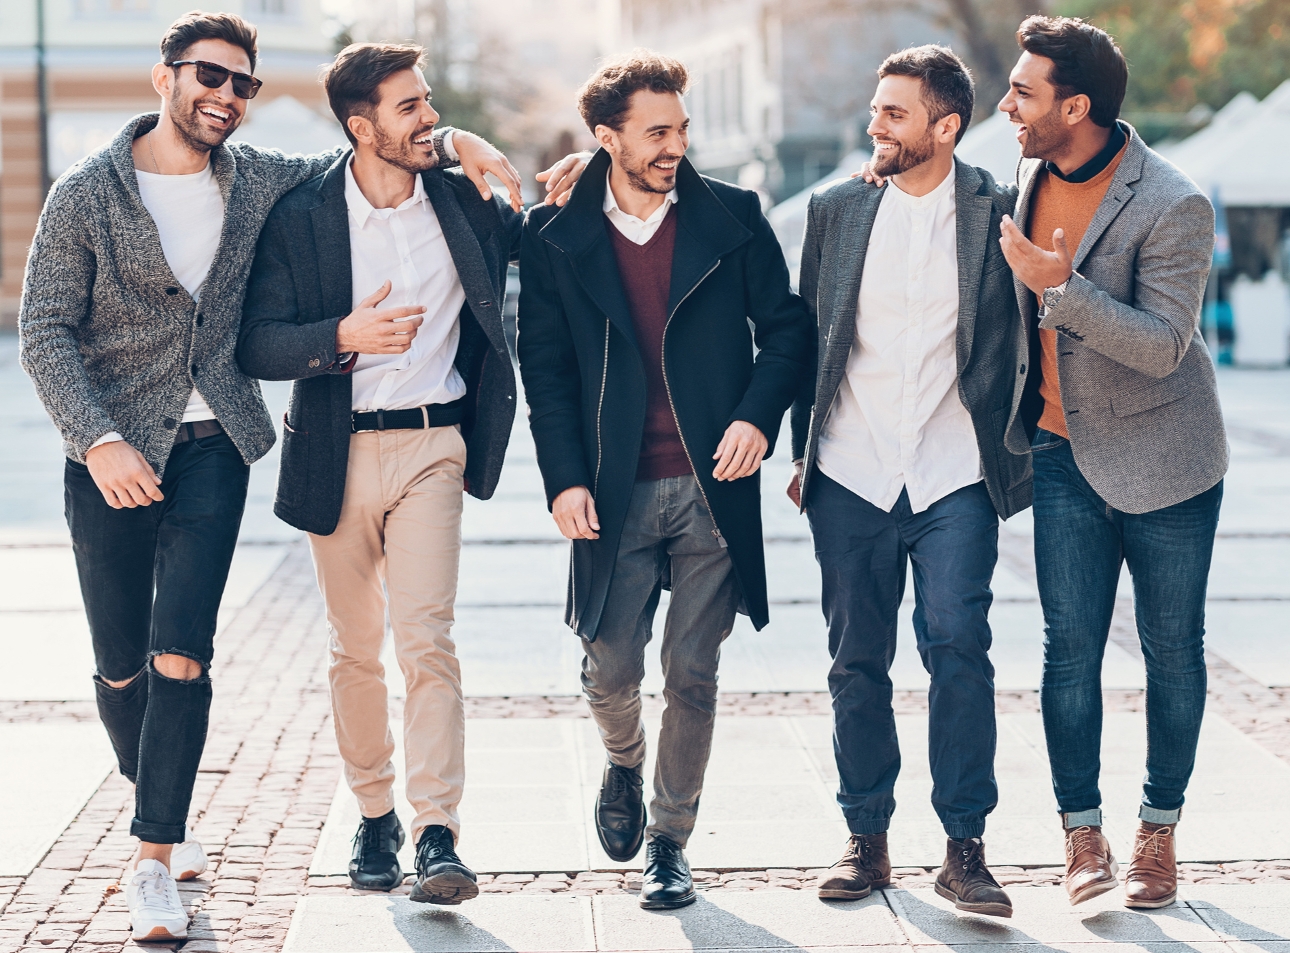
column 198, row 429
column 414, row 418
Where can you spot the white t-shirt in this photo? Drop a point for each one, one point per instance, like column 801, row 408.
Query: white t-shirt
column 189, row 212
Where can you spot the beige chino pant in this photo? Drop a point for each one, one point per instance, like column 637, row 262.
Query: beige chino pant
column 397, row 544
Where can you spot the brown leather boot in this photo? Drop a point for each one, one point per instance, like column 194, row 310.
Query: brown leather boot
column 1152, row 880
column 865, row 865
column 1090, row 868
column 967, row 881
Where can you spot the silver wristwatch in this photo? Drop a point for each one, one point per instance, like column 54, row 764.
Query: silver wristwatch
column 1052, row 295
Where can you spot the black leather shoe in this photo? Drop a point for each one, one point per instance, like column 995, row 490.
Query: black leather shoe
column 374, row 864
column 441, row 876
column 667, row 882
column 620, row 812
column 967, row 881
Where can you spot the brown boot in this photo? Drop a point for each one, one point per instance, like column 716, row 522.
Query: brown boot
column 865, row 865
column 1153, row 872
column 1090, row 868
column 966, row 880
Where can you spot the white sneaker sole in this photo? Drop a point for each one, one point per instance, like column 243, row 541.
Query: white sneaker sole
column 158, row 932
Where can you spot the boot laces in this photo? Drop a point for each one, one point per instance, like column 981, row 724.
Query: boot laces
column 1153, row 842
column 662, row 850
column 436, row 846
column 621, row 780
column 370, row 833
column 858, row 849
column 972, row 859
column 1078, row 840
column 151, row 888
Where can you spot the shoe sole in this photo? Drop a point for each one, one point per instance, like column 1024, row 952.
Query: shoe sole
column 447, row 889
column 837, row 893
column 985, row 909
column 1151, row 904
column 190, row 874
column 371, row 888
column 1094, row 890
column 600, row 835
column 159, row 934
column 669, row 904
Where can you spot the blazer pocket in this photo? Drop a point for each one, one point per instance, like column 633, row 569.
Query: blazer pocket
column 1150, row 397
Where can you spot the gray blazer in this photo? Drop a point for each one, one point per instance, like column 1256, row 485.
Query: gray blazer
column 110, row 339
column 990, row 340
column 1137, row 382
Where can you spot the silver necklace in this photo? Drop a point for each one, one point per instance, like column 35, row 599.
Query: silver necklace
column 155, row 168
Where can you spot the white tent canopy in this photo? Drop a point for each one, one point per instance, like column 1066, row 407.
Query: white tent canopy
column 992, row 145
column 1244, row 155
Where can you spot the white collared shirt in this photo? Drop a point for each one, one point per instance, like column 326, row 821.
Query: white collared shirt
column 897, row 420
column 629, row 226
column 406, row 246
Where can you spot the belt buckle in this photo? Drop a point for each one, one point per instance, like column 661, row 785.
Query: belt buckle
column 380, row 419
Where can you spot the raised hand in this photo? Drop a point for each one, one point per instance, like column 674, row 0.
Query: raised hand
column 562, row 177
column 478, row 156
column 1037, row 269
column 372, row 330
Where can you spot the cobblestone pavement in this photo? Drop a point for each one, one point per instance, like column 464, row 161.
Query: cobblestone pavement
column 270, row 771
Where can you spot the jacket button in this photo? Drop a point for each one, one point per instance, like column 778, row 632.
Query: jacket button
column 485, row 304
column 314, row 362
column 1023, row 369
column 169, row 423
column 172, row 291
column 194, row 370
column 200, row 319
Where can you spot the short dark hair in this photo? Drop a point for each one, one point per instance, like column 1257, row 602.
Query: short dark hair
column 947, row 82
column 605, row 99
column 357, row 73
column 195, row 26
column 1085, row 59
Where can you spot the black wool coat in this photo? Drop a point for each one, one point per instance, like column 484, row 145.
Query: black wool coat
column 736, row 345
column 301, row 288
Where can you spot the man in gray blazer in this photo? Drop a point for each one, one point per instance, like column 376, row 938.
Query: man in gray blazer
column 1111, row 249
column 899, row 443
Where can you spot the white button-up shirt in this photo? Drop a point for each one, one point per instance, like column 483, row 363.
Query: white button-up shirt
column 897, row 420
column 406, row 246
column 629, row 226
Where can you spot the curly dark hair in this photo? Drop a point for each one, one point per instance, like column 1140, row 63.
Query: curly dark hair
column 605, row 98
column 1085, row 60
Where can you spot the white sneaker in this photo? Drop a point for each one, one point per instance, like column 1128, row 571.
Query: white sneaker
column 156, row 912
column 188, row 860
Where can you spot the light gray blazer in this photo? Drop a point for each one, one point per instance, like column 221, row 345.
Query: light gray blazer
column 1137, row 382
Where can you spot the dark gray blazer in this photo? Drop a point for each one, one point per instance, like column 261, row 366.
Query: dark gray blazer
column 300, row 289
column 1137, row 382
column 990, row 341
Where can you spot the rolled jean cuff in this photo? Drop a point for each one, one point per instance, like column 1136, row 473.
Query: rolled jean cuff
column 867, row 826
column 1154, row 815
column 151, row 833
column 963, row 830
column 1076, row 819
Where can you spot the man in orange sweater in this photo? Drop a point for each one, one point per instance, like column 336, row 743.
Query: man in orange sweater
column 1111, row 250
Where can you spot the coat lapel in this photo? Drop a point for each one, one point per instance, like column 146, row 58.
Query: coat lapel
column 972, row 214
column 330, row 219
column 1117, row 195
column 857, row 225
column 1027, row 174
column 705, row 232
column 579, row 231
column 468, row 259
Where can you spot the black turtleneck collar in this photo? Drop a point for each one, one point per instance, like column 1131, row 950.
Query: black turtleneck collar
column 1096, row 164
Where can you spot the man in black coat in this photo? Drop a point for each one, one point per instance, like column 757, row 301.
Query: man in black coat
column 639, row 370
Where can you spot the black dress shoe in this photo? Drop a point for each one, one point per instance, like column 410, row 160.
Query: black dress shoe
column 667, row 882
column 441, row 876
column 966, row 881
column 374, row 864
column 620, row 812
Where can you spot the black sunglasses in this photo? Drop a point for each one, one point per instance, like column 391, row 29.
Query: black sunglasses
column 213, row 76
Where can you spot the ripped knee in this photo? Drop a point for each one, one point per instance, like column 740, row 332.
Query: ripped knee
column 119, row 685
column 181, row 668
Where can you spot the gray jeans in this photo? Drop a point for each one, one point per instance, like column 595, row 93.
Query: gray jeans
column 668, row 534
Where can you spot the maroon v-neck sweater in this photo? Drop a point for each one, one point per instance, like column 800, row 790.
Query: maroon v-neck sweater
column 646, row 272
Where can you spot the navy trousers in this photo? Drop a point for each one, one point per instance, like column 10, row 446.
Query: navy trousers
column 863, row 554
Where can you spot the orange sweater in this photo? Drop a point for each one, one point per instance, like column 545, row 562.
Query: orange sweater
column 1069, row 206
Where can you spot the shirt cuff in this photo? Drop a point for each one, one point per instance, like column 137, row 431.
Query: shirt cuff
column 110, row 437
column 449, row 148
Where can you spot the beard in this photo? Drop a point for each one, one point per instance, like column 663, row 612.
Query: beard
column 1047, row 138
column 906, row 155
column 638, row 170
column 400, row 153
column 196, row 135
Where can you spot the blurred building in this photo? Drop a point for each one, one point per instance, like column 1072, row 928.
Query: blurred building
column 781, row 89
column 98, row 58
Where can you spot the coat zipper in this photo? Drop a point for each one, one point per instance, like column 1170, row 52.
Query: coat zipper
column 668, row 387
column 600, row 406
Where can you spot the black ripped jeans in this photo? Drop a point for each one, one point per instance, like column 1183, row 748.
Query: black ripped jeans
column 151, row 579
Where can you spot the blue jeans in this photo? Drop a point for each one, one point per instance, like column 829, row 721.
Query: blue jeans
column 863, row 553
column 152, row 578
column 1080, row 544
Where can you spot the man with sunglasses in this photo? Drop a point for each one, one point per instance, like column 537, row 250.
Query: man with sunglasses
column 129, row 323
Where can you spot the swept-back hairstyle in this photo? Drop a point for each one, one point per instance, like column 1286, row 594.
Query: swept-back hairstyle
column 1085, row 60
column 196, row 26
column 357, row 73
column 947, row 82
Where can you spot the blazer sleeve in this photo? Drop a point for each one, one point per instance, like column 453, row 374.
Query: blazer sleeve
column 1152, row 334
column 808, row 285
column 278, row 340
column 549, row 371
column 55, row 303
column 781, row 331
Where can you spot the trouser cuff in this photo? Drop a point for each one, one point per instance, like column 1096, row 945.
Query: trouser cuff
column 151, row 833
column 1076, row 819
column 1156, row 816
column 866, row 826
column 963, row 830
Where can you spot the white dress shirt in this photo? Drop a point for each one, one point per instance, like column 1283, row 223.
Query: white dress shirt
column 406, row 246
column 629, row 226
column 897, row 420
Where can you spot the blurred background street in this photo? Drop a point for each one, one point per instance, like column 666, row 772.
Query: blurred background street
column 779, row 104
